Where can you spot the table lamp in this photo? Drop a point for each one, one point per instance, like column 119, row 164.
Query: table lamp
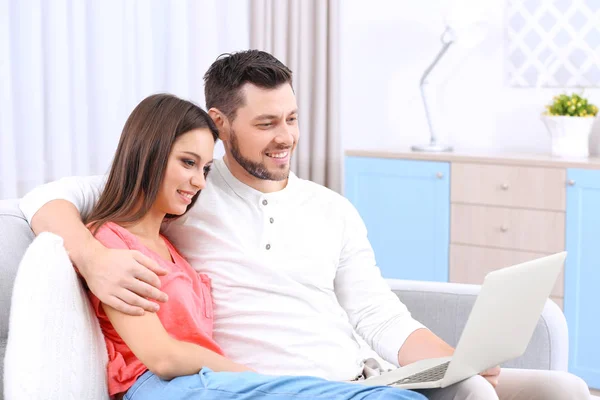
column 465, row 26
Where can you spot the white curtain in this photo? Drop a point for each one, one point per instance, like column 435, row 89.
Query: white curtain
column 71, row 71
column 304, row 35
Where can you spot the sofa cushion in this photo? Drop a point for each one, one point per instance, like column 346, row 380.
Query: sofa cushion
column 55, row 348
column 15, row 236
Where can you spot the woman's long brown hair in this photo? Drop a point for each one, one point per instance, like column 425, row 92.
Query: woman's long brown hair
column 140, row 161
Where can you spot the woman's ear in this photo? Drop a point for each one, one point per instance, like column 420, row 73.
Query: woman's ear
column 222, row 123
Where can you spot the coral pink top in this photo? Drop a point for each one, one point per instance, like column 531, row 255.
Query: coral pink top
column 186, row 316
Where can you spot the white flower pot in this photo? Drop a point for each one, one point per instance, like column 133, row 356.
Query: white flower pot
column 570, row 135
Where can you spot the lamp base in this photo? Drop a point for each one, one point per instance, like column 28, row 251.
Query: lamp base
column 432, row 148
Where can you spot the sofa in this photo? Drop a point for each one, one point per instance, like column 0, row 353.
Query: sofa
column 443, row 307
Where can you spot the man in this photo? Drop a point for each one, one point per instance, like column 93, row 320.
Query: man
column 293, row 272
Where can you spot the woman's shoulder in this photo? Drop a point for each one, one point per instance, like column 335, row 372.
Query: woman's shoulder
column 114, row 236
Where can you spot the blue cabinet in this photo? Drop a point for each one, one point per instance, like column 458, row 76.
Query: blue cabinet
column 405, row 206
column 582, row 274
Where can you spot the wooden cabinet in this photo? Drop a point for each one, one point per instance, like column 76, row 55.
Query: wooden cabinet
column 405, row 206
column 513, row 212
column 482, row 213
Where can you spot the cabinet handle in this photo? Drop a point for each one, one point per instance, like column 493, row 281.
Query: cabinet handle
column 439, row 175
column 504, row 186
column 571, row 182
column 504, row 228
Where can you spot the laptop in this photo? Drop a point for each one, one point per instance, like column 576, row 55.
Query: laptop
column 499, row 327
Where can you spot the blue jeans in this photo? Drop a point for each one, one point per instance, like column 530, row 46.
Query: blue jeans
column 209, row 385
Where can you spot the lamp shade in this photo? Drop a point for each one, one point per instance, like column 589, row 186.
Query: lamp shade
column 467, row 20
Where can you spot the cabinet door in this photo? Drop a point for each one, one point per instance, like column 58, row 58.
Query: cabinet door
column 405, row 206
column 582, row 274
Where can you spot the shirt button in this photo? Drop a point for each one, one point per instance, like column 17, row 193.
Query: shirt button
column 268, row 246
column 265, row 202
column 271, row 220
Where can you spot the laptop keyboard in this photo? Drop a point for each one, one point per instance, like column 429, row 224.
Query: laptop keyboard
column 429, row 375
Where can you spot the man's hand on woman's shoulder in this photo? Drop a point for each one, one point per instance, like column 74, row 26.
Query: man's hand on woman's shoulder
column 125, row 280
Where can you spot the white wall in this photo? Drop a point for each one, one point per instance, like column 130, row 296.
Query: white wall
column 386, row 46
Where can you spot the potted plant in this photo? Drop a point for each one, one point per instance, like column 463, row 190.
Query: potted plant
column 569, row 121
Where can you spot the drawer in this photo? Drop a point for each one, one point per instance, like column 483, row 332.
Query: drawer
column 510, row 186
column 470, row 264
column 508, row 228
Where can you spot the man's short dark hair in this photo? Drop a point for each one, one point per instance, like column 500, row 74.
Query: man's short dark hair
column 225, row 77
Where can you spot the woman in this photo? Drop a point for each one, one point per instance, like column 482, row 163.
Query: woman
column 160, row 166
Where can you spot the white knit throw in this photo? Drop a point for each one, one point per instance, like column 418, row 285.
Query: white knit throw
column 55, row 347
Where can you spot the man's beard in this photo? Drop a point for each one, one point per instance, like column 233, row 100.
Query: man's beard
column 257, row 169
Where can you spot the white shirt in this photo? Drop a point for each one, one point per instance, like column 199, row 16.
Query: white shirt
column 293, row 273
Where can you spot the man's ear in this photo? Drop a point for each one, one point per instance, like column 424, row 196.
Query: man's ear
column 222, row 123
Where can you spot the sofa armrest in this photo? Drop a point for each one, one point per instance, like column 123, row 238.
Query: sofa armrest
column 445, row 307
